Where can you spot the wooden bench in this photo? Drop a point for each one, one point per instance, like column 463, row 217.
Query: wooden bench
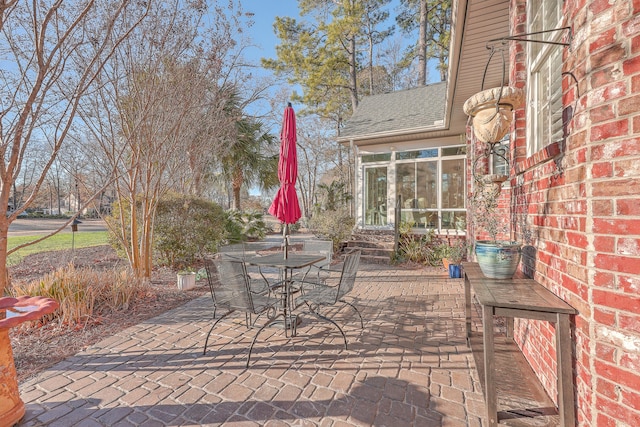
column 522, row 298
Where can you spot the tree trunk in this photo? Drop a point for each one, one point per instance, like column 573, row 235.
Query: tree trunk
column 4, row 232
column 147, row 244
column 134, row 248
column 354, row 74
column 443, row 68
column 422, row 45
column 370, row 65
column 58, row 195
column 236, row 185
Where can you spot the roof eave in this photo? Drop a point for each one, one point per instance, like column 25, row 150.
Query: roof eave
column 394, row 133
column 458, row 19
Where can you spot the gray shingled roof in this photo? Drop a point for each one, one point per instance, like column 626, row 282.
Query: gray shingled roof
column 407, row 109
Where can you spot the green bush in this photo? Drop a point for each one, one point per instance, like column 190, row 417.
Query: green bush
column 335, row 225
column 454, row 252
column 186, row 228
column 114, row 225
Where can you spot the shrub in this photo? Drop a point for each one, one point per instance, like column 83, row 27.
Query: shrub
column 419, row 248
column 454, row 252
column 84, row 294
column 335, row 225
column 186, row 228
column 114, row 225
column 241, row 226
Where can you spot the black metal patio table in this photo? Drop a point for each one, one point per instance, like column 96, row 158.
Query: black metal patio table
column 287, row 265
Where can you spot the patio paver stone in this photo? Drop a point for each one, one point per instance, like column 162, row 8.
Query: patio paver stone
column 410, row 366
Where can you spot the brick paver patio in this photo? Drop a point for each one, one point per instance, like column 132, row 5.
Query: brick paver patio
column 410, row 366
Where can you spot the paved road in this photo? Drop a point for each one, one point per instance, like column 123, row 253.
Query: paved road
column 30, row 227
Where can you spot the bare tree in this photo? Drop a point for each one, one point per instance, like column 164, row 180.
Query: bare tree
column 159, row 116
column 317, row 154
column 55, row 50
column 392, row 58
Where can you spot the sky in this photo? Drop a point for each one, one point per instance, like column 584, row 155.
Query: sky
column 264, row 39
column 265, row 15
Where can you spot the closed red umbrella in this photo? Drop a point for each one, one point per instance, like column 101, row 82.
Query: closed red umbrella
column 285, row 206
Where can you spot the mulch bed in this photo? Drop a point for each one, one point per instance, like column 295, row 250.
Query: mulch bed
column 38, row 347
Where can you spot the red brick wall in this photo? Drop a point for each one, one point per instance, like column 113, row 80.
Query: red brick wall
column 576, row 207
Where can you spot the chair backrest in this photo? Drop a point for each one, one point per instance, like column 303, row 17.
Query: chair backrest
column 232, row 289
column 233, row 251
column 349, row 271
column 323, row 247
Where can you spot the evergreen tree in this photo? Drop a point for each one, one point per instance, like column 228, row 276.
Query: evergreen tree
column 433, row 19
column 325, row 58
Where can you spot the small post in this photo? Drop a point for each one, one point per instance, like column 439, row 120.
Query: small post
column 74, row 228
column 396, row 225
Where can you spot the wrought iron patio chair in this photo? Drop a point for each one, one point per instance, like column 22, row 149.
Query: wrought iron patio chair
column 319, row 271
column 324, row 294
column 235, row 251
column 240, row 252
column 231, row 291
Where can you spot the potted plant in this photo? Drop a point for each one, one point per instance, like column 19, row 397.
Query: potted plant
column 454, row 255
column 498, row 259
column 186, row 279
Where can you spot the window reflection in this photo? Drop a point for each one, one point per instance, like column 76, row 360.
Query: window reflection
column 433, row 190
column 453, row 184
column 375, row 196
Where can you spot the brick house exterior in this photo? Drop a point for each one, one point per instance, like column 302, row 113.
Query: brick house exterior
column 575, row 205
column 573, row 200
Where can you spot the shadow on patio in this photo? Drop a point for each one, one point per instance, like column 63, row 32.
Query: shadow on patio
column 409, row 366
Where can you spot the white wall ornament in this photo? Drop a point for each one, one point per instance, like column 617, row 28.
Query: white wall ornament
column 492, row 112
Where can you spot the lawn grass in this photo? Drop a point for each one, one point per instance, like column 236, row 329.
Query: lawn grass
column 57, row 242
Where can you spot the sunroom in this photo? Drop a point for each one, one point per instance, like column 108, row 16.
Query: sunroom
column 410, row 145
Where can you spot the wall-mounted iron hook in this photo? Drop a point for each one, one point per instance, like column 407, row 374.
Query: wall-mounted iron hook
column 523, row 38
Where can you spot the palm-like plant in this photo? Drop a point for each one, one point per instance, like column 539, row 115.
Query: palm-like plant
column 248, row 159
column 334, row 195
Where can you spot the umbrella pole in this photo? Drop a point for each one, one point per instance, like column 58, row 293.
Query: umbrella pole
column 285, row 237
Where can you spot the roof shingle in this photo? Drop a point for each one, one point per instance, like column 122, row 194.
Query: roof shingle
column 407, row 109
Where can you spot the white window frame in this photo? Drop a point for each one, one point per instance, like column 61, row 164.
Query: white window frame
column 544, row 76
column 438, row 160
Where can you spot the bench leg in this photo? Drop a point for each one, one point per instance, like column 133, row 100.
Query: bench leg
column 489, row 366
column 566, row 405
column 467, row 308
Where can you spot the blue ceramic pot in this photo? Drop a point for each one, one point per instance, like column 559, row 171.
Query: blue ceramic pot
column 454, row 271
column 498, row 260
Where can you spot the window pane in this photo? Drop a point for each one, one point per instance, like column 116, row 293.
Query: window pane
column 427, row 185
column 406, row 184
column 419, row 154
column 375, row 209
column 499, row 165
column 453, row 184
column 544, row 113
column 555, row 96
column 426, row 219
column 454, row 220
column 382, row 157
column 454, row 151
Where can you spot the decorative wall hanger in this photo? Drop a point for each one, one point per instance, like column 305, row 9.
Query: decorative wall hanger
column 491, row 110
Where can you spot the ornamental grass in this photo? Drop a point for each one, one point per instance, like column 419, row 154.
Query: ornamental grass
column 84, row 294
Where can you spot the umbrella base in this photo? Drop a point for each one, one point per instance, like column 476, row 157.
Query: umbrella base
column 289, row 323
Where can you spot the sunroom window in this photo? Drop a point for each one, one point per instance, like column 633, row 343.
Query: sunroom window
column 432, row 186
column 544, row 111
